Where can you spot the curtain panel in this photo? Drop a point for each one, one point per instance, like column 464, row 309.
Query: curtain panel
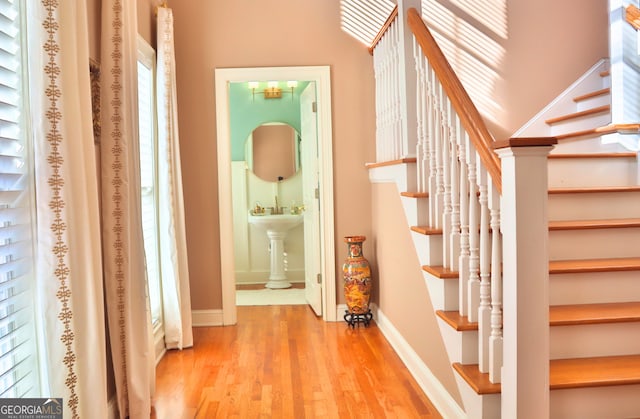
column 173, row 248
column 128, row 312
column 69, row 290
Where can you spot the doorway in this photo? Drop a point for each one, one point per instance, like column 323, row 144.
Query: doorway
column 319, row 75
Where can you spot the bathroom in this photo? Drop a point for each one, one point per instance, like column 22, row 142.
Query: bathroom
column 266, row 175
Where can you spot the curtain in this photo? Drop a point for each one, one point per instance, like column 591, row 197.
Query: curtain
column 173, row 248
column 128, row 312
column 69, row 290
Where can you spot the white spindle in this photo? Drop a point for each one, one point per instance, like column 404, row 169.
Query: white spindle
column 454, row 241
column 433, row 151
column 463, row 260
column 495, row 340
column 484, row 309
column 421, row 145
column 473, row 296
column 446, row 181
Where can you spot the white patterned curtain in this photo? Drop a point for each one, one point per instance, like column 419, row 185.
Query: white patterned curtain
column 123, row 249
column 173, row 247
column 70, row 310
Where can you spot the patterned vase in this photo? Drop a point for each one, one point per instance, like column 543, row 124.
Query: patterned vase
column 357, row 279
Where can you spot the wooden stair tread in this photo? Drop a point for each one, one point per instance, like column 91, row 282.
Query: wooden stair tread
column 607, row 129
column 415, row 194
column 595, row 93
column 593, row 224
column 440, row 272
column 477, row 380
column 594, row 265
column 580, row 114
column 594, row 372
column 598, row 189
column 579, row 314
column 605, row 73
column 562, row 315
column 456, row 321
column 427, row 231
column 622, row 155
column 406, row 160
column 567, row 373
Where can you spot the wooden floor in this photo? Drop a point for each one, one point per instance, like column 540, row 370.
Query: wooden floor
column 284, row 362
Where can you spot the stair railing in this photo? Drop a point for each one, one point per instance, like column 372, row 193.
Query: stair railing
column 464, row 181
column 460, row 175
column 387, row 66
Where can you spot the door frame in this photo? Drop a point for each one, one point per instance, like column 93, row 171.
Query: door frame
column 321, row 75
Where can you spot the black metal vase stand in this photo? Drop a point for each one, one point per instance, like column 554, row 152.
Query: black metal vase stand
column 352, row 318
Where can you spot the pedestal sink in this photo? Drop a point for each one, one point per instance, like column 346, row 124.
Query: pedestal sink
column 276, row 226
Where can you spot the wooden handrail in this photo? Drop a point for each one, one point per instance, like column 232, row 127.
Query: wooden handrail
column 633, row 16
column 467, row 111
column 392, row 16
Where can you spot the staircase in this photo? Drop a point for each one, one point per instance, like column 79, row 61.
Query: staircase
column 594, row 253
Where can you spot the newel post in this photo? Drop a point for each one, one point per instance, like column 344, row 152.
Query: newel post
column 524, row 225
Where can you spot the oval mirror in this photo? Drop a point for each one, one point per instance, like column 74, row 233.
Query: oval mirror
column 272, row 151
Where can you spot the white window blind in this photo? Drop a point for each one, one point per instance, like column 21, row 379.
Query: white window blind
column 148, row 176
column 363, row 19
column 18, row 360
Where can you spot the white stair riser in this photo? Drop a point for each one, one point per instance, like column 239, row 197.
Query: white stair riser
column 586, row 145
column 594, row 287
column 596, row 402
column 428, row 248
column 594, row 340
column 416, row 210
column 443, row 292
column 462, row 347
column 583, row 172
column 596, row 244
column 594, row 206
column 593, row 102
column 579, row 124
column 476, row 406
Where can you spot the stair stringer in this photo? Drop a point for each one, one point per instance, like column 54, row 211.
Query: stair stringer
column 460, row 346
column 564, row 103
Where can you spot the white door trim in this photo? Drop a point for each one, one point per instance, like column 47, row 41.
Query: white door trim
column 321, row 75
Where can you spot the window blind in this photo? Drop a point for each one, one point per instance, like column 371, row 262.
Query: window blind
column 18, row 360
column 363, row 19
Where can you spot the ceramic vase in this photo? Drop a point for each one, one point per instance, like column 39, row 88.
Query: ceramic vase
column 357, row 277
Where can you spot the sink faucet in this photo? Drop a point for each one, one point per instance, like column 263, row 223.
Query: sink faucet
column 277, row 209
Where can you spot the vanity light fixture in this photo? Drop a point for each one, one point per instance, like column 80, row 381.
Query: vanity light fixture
column 272, row 91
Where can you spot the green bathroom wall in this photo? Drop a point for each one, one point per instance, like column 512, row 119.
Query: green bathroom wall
column 248, row 112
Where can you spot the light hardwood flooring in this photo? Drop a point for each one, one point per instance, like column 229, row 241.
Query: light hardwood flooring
column 284, row 362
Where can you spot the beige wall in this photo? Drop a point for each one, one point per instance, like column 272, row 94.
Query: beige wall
column 401, row 288
column 551, row 43
column 244, row 33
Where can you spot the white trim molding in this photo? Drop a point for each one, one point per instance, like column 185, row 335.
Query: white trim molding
column 321, row 76
column 429, row 384
column 205, row 318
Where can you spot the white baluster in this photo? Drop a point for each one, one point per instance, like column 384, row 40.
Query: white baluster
column 433, row 187
column 421, row 149
column 484, row 310
column 463, row 260
column 495, row 340
column 454, row 241
column 438, row 152
column 446, row 181
column 473, row 297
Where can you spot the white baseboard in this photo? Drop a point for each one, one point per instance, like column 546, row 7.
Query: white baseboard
column 438, row 395
column 202, row 318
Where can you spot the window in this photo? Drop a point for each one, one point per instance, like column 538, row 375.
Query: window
column 148, row 175
column 18, row 354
